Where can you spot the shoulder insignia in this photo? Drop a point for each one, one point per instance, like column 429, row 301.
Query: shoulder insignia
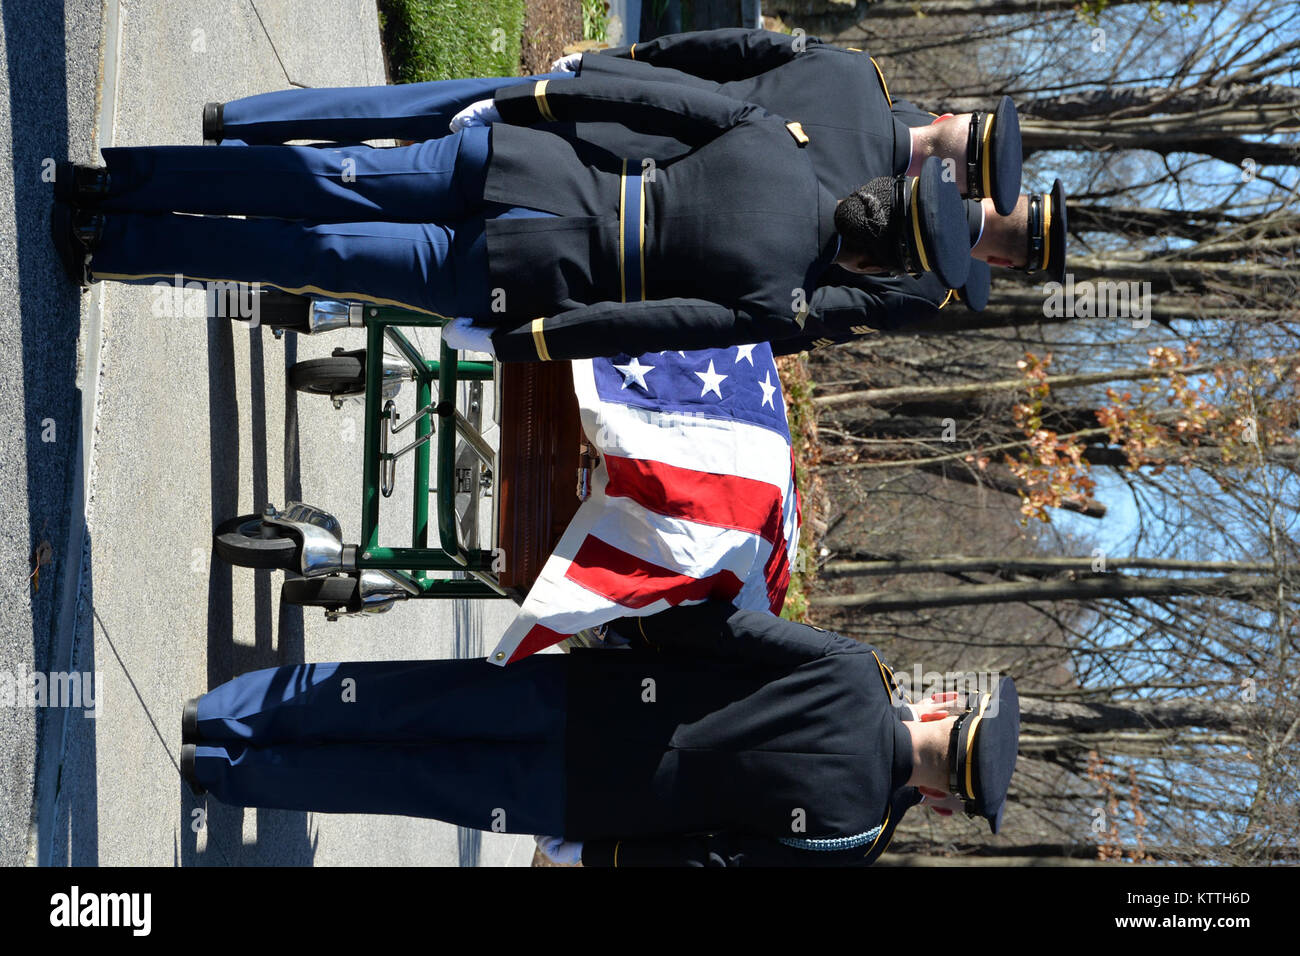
column 822, row 343
column 796, row 130
column 862, row 329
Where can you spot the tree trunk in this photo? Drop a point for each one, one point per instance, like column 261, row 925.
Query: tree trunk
column 1099, row 717
column 1228, row 586
column 1220, row 136
column 916, row 859
column 933, row 393
column 910, row 9
column 1129, row 107
column 1038, row 567
column 1210, row 455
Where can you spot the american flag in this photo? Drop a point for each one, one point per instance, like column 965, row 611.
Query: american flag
column 694, row 497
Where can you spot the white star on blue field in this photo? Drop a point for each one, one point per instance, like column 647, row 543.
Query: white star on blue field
column 737, row 382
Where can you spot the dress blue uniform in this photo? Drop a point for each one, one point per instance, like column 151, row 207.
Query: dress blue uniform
column 855, row 134
column 561, row 245
column 401, row 226
column 759, row 741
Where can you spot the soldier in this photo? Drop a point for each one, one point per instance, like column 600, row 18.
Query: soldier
column 564, row 250
column 858, row 126
column 839, row 97
column 719, row 737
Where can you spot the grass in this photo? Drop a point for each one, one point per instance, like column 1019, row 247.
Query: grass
column 593, row 20
column 449, row 39
column 798, row 389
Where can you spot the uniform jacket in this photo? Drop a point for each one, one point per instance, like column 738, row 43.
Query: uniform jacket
column 839, row 96
column 759, row 66
column 856, row 133
column 729, row 737
column 848, row 306
column 709, row 253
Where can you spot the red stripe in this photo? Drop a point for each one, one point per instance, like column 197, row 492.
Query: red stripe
column 627, row 580
column 537, row 638
column 777, row 576
column 723, row 501
column 777, row 571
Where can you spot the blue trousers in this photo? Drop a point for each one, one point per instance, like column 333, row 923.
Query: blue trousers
column 461, row 741
column 400, row 226
column 414, row 111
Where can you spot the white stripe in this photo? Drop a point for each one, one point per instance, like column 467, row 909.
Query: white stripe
column 753, row 594
column 684, row 547
column 681, row 546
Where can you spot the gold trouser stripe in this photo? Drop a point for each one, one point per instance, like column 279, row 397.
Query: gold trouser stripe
column 884, row 828
column 1047, row 228
column 622, row 218
column 970, row 744
column 883, row 85
column 948, row 298
column 632, row 52
column 539, row 94
column 642, row 243
column 916, row 224
column 539, row 340
column 988, row 156
column 616, row 846
column 293, row 290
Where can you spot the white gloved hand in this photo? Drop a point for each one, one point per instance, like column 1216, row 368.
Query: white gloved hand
column 464, row 335
column 560, row 850
column 482, row 113
column 567, row 64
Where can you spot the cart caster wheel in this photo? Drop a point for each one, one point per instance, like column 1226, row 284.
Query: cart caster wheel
column 334, row 593
column 340, row 374
column 242, row 542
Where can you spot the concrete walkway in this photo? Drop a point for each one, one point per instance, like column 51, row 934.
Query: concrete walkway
column 188, row 422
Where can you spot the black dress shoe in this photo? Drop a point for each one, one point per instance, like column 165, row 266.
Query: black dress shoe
column 190, row 722
column 212, row 121
column 189, row 757
column 80, row 185
column 74, row 241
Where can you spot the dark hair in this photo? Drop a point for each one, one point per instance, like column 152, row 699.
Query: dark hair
column 863, row 222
